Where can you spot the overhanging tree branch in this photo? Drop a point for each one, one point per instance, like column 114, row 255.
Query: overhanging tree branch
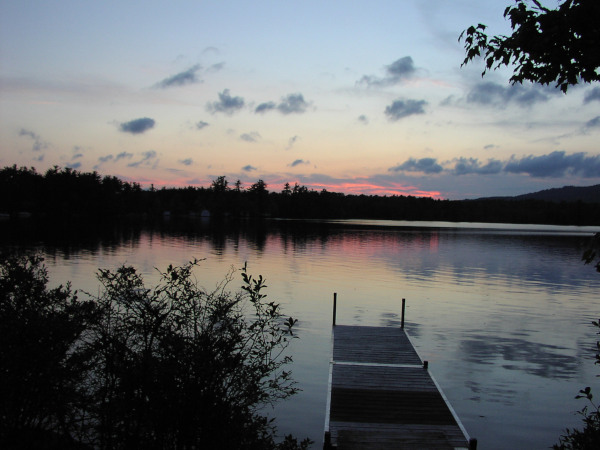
column 548, row 46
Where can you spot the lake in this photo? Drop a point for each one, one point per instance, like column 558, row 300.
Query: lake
column 502, row 312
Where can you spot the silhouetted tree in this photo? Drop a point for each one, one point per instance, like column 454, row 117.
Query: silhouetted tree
column 43, row 366
column 546, row 46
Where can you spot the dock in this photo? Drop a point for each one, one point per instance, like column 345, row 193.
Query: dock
column 382, row 396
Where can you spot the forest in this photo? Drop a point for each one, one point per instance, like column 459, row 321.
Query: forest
column 65, row 193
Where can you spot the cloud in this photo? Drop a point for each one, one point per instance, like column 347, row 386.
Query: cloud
column 186, row 77
column 147, row 158
column 397, row 72
column 226, row 104
column 292, row 141
column 137, row 126
column 186, row 162
column 216, row 67
column 264, row 107
column 363, row 119
column 290, row 104
column 248, row 168
column 466, row 166
column 553, row 165
column 123, row 155
column 253, row 136
column 593, row 123
column 591, row 95
column 102, row 160
column 38, row 143
column 76, row 165
column 425, row 165
column 494, row 94
column 404, row 108
column 556, row 164
column 201, row 124
column 298, row 162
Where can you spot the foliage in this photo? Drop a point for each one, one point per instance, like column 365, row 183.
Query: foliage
column 198, row 364
column 43, row 366
column 591, row 254
column 587, row 438
column 168, row 366
column 546, row 46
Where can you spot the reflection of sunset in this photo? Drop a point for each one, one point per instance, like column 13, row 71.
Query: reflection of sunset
column 505, row 305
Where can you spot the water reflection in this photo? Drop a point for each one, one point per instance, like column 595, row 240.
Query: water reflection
column 542, row 360
column 500, row 314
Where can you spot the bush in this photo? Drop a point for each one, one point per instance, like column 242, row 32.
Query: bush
column 42, row 362
column 171, row 366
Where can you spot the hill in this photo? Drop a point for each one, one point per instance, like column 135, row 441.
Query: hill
column 586, row 194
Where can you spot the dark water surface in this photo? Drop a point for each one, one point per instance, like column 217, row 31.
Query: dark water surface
column 502, row 312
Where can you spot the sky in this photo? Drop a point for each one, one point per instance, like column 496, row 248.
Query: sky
column 349, row 96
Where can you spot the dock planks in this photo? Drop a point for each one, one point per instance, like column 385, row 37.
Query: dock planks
column 381, row 396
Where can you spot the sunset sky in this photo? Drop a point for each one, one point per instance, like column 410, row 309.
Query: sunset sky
column 348, row 96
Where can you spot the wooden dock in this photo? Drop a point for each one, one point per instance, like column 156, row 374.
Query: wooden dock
column 382, row 396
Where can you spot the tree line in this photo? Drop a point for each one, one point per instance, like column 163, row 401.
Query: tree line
column 68, row 193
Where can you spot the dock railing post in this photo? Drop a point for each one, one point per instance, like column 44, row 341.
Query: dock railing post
column 402, row 317
column 327, row 442
column 334, row 306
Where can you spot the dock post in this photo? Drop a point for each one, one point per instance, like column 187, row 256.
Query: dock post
column 327, row 442
column 472, row 444
column 402, row 317
column 334, row 306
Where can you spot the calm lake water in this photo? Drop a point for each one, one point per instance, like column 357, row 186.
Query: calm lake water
column 501, row 312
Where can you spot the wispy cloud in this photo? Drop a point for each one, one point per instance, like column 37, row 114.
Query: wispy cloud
column 592, row 95
column 264, row 107
column 249, row 168
column 149, row 158
column 253, row 136
column 363, row 119
column 292, row 141
column 593, row 123
column 137, row 126
column 123, row 155
column 186, row 162
column 290, row 104
column 216, row 67
column 499, row 95
column 226, row 104
column 400, row 108
column 201, row 124
column 38, row 143
column 397, row 72
column 298, row 162
column 189, row 76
